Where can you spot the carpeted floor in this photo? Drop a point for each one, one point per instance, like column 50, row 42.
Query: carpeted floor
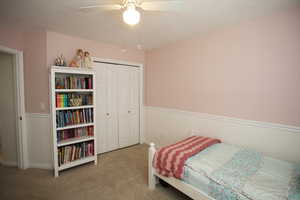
column 119, row 175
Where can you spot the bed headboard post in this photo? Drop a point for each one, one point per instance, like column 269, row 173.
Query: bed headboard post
column 151, row 171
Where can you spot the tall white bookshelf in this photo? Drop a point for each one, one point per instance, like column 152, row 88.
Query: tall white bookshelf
column 73, row 103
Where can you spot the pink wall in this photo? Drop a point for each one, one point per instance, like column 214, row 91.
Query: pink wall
column 59, row 43
column 40, row 48
column 11, row 37
column 33, row 45
column 35, row 73
column 249, row 71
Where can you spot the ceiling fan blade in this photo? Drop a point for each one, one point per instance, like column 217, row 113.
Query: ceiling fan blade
column 161, row 5
column 103, row 7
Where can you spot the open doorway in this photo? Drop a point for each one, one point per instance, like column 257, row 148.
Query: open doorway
column 8, row 135
column 13, row 149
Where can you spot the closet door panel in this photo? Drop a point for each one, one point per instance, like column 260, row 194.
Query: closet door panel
column 123, row 106
column 112, row 141
column 101, row 96
column 134, row 106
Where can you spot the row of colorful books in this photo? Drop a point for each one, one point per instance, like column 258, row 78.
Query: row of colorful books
column 74, row 152
column 73, row 82
column 70, row 100
column 75, row 133
column 73, row 117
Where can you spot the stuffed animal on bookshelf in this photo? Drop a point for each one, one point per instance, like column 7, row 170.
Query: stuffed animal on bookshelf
column 87, row 60
column 60, row 61
column 78, row 59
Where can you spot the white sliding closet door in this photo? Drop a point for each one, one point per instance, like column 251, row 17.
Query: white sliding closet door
column 123, row 106
column 118, row 114
column 128, row 106
column 134, row 107
column 107, row 113
column 112, row 109
column 101, row 120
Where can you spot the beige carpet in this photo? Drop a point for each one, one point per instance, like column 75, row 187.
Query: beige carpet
column 119, row 175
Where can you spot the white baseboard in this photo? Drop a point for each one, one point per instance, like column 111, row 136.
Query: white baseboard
column 41, row 166
column 165, row 126
column 9, row 163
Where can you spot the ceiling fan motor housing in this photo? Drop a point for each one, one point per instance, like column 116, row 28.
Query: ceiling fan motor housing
column 131, row 16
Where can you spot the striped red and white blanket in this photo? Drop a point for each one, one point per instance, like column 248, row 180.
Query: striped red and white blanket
column 169, row 160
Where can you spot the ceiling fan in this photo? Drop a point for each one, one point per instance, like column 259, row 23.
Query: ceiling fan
column 131, row 15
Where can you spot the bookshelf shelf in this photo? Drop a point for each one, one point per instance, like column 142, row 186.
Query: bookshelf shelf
column 74, row 90
column 74, row 141
column 74, row 126
column 75, row 108
column 77, row 143
column 72, row 70
column 77, row 162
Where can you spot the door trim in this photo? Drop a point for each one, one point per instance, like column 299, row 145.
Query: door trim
column 141, row 86
column 18, row 68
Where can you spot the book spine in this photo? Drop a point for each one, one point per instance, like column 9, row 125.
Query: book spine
column 62, row 99
column 90, row 83
column 65, row 100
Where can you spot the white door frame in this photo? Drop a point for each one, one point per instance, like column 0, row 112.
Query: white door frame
column 18, row 70
column 141, row 67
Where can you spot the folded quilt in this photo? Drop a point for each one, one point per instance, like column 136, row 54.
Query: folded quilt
column 169, row 160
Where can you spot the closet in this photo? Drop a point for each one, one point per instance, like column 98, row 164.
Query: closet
column 118, row 106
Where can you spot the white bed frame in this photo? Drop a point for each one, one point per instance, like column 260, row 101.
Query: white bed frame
column 187, row 189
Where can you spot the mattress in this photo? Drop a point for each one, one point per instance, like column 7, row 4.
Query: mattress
column 225, row 171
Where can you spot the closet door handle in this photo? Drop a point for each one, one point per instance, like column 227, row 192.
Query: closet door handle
column 107, row 114
column 129, row 111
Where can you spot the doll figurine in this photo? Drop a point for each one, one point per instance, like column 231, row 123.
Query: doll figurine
column 87, row 60
column 78, row 59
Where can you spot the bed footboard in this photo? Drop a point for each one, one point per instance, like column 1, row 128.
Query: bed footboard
column 152, row 179
column 187, row 189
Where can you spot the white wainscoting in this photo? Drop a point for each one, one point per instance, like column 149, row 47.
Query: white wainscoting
column 39, row 141
column 165, row 126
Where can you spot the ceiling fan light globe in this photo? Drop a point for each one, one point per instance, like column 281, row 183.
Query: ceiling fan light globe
column 131, row 16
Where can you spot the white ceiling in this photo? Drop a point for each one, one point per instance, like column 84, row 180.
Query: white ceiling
column 155, row 29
